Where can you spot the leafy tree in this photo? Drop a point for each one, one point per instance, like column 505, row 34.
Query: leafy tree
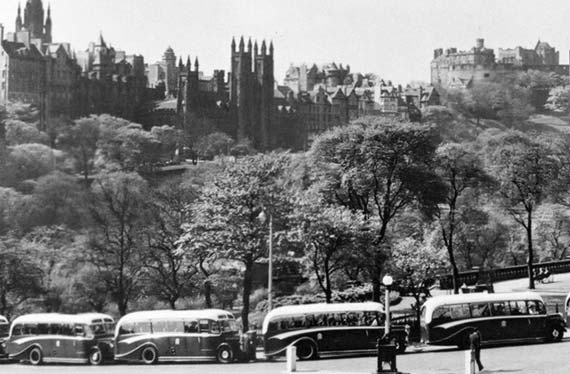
column 229, row 210
column 460, row 169
column 380, row 168
column 80, row 140
column 119, row 214
column 416, row 263
column 170, row 274
column 330, row 236
column 30, row 161
column 19, row 132
column 169, row 139
column 554, row 234
column 559, row 99
column 217, row 143
column 526, row 171
column 20, row 276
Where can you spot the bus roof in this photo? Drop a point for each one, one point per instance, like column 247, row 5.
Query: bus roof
column 168, row 314
column 292, row 310
column 437, row 301
column 87, row 318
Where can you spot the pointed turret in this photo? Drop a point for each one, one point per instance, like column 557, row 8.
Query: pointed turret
column 180, row 65
column 188, row 64
column 47, row 26
column 241, row 44
column 101, row 40
column 19, row 18
column 255, row 49
column 233, row 44
column 263, row 48
column 196, row 65
column 249, row 45
column 271, row 48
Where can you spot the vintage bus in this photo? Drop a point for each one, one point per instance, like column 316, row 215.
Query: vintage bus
column 181, row 335
column 319, row 330
column 4, row 327
column 500, row 317
column 65, row 338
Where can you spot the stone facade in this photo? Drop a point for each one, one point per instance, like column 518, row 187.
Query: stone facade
column 60, row 82
column 453, row 69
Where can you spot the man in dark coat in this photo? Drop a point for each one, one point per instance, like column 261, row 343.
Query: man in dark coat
column 475, row 344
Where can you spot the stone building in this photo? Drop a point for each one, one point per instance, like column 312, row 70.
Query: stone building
column 164, row 74
column 461, row 69
column 60, row 82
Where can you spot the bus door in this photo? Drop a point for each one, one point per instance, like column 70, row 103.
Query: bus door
column 490, row 327
column 205, row 344
column 536, row 318
column 507, row 327
column 517, row 323
column 177, row 344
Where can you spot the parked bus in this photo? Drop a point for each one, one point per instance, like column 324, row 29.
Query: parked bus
column 4, row 326
column 181, row 335
column 318, row 330
column 500, row 317
column 65, row 338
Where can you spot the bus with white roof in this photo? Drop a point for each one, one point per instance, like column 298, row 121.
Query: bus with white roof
column 4, row 327
column 500, row 317
column 181, row 335
column 319, row 330
column 63, row 338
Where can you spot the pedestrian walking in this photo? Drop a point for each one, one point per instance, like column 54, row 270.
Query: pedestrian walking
column 475, row 345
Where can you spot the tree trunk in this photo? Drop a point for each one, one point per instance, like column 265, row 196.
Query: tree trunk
column 247, row 281
column 172, row 302
column 376, row 287
column 208, row 293
column 530, row 251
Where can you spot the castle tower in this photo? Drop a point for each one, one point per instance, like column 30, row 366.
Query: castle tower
column 241, row 98
column 264, row 81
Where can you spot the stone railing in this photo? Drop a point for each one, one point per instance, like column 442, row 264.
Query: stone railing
column 473, row 277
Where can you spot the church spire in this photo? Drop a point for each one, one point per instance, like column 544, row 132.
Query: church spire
column 47, row 26
column 19, row 18
column 196, row 65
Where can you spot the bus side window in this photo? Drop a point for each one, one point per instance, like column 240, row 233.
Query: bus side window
column 498, row 309
column 43, row 329
column 142, row 327
column 215, row 327
column 536, row 307
column 480, row 310
column 441, row 314
column 126, row 328
column 204, row 325
column 18, row 330
column 518, row 308
column 190, row 326
column 67, row 329
column 80, row 331
column 459, row 311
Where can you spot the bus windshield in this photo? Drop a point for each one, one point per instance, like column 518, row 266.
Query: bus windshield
column 102, row 328
column 229, row 325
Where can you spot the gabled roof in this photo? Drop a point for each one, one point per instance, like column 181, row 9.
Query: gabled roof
column 14, row 49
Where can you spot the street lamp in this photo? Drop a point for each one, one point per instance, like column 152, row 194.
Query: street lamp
column 262, row 218
column 387, row 281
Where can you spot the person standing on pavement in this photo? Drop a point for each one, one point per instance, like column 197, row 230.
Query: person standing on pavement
column 475, row 345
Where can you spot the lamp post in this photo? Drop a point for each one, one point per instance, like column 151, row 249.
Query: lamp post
column 387, row 281
column 262, row 218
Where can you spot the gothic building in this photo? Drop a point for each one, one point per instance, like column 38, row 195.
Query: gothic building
column 164, row 74
column 60, row 82
column 243, row 106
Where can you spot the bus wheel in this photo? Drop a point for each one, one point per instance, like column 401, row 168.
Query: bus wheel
column 95, row 357
column 35, row 356
column 306, row 350
column 149, row 355
column 555, row 334
column 225, row 354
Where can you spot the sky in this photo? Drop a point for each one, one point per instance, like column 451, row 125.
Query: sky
column 394, row 39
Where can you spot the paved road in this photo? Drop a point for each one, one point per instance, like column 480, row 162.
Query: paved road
column 522, row 359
